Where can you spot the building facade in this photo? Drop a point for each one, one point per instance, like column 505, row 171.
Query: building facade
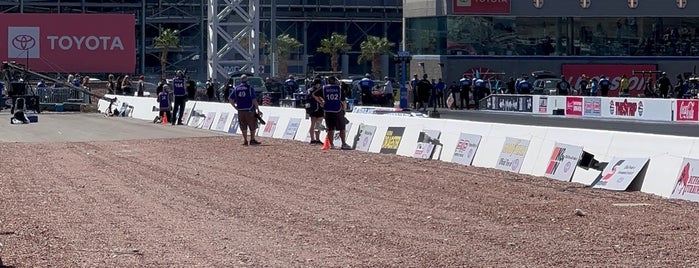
column 309, row 21
column 451, row 37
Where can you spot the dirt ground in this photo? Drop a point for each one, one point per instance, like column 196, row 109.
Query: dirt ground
column 153, row 203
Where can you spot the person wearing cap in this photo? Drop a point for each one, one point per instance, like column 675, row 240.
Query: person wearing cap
column 243, row 99
column 584, row 83
column 334, row 103
column 141, row 86
column 366, row 85
column 180, row 93
column 388, row 91
column 604, row 85
column 664, row 85
column 465, row 87
column 290, row 87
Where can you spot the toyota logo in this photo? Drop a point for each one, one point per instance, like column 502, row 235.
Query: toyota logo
column 23, row 42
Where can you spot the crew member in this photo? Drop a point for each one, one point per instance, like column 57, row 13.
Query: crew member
column 244, row 100
column 465, row 84
column 290, row 87
column 604, row 85
column 562, row 86
column 180, row 98
column 334, row 104
column 366, row 85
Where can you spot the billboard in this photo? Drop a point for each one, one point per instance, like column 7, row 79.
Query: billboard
column 687, row 183
column 513, row 103
column 466, row 149
column 512, row 154
column 427, row 141
column 70, row 43
column 563, row 161
column 365, row 135
column 593, row 107
column 620, row 173
column 481, row 6
column 291, row 128
column 574, row 106
column 574, row 72
column 391, row 140
column 687, row 111
column 637, row 108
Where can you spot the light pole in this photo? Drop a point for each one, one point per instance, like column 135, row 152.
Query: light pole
column 403, row 58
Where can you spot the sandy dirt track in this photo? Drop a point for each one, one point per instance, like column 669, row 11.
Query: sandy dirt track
column 148, row 203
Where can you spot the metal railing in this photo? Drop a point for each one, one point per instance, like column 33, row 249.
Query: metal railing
column 61, row 95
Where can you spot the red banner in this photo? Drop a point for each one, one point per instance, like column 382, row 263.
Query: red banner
column 574, row 106
column 687, row 111
column 573, row 74
column 67, row 43
column 481, row 6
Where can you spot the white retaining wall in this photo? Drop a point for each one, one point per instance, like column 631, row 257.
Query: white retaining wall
column 665, row 152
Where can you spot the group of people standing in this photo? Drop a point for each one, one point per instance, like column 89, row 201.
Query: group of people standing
column 458, row 95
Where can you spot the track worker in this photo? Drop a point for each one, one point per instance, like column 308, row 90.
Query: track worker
column 315, row 112
column 244, row 101
column 180, row 93
column 334, row 103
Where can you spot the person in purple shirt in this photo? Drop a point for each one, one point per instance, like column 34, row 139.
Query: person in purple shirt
column 164, row 101
column 244, row 101
column 180, row 97
column 334, row 103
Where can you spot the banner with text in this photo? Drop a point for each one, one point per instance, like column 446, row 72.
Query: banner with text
column 687, row 184
column 592, row 107
column 391, row 140
column 563, row 161
column 426, row 143
column 514, row 103
column 70, row 43
column 466, row 149
column 271, row 125
column 574, row 106
column 637, row 108
column 365, row 135
column 620, row 173
column 512, row 154
column 291, row 128
column 687, row 111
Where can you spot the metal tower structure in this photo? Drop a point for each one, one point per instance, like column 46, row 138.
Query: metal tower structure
column 234, row 36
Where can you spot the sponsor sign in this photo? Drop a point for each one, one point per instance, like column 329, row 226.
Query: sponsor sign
column 512, row 154
column 196, row 119
column 62, row 42
column 271, row 125
column 481, row 6
column 187, row 114
column 391, row 140
column 563, row 161
column 573, row 74
column 233, row 128
column 221, row 122
column 574, row 106
column 687, row 183
column 291, row 128
column 620, row 173
column 466, row 149
column 337, row 141
column 543, row 105
column 209, row 120
column 687, row 111
column 510, row 103
column 426, row 143
column 592, row 107
column 365, row 135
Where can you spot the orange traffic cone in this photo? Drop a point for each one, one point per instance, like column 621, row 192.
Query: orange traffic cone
column 163, row 119
column 326, row 144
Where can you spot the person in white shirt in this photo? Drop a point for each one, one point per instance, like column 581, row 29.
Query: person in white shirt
column 388, row 92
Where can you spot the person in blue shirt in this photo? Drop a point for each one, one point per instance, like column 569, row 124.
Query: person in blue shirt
column 243, row 99
column 334, row 103
column 366, row 85
column 604, row 85
column 290, row 87
column 465, row 84
column 180, row 93
column 441, row 87
column 524, row 86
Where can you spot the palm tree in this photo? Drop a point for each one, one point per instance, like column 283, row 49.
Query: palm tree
column 372, row 49
column 168, row 38
column 332, row 45
column 285, row 45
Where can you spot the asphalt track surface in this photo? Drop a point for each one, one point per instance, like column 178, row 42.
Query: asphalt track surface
column 648, row 127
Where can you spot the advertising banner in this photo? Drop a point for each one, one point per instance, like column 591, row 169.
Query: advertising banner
column 543, row 105
column 512, row 154
column 620, row 173
column 573, row 74
column 574, row 106
column 466, row 149
column 687, row 184
column 426, row 143
column 221, row 122
column 637, row 108
column 687, row 111
column 209, row 120
column 563, row 161
column 365, row 135
column 291, row 128
column 592, row 107
column 481, row 6
column 391, row 140
column 196, row 119
column 70, row 43
column 337, row 141
column 271, row 125
column 510, row 103
column 233, row 128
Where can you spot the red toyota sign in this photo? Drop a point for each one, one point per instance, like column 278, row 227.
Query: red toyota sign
column 67, row 43
column 481, row 6
column 573, row 73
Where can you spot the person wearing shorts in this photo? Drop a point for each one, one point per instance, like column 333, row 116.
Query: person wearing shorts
column 315, row 112
column 244, row 100
column 334, row 103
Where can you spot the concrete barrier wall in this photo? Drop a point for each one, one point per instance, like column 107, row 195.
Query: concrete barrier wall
column 665, row 152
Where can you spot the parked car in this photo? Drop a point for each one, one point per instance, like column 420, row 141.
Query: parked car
column 545, row 86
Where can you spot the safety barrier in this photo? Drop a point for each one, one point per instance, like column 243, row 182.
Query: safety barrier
column 645, row 162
